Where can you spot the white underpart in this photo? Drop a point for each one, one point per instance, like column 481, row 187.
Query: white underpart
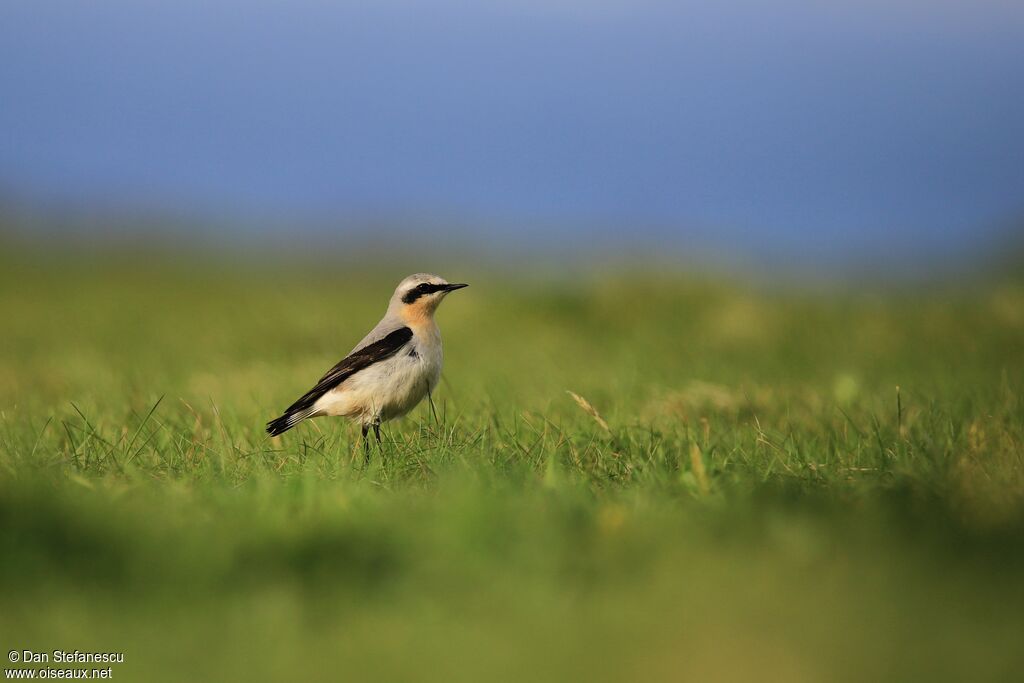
column 392, row 387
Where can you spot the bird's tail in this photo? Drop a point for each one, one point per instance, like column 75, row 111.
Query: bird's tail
column 288, row 420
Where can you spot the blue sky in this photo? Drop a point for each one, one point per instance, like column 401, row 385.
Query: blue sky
column 817, row 129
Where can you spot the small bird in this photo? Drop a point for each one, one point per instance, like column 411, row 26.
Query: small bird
column 389, row 372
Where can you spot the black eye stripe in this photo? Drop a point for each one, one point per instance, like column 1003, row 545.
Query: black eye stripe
column 417, row 292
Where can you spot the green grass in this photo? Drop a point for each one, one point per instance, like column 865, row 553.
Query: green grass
column 762, row 505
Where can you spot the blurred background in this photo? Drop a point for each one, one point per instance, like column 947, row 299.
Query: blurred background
column 830, row 137
column 205, row 203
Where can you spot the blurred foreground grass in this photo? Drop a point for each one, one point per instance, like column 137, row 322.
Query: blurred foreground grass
column 762, row 505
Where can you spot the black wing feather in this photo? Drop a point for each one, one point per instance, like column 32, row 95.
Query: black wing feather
column 379, row 350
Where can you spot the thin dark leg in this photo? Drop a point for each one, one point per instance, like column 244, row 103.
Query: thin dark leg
column 376, row 431
column 366, row 444
column 433, row 410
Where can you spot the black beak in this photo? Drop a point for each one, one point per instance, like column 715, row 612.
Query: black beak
column 452, row 288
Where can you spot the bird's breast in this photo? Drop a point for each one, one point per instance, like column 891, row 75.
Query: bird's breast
column 425, row 347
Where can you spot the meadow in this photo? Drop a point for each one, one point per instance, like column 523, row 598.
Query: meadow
column 635, row 474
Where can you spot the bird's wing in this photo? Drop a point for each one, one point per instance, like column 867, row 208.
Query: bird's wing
column 382, row 349
column 388, row 324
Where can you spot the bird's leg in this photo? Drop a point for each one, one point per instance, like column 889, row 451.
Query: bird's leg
column 430, row 399
column 366, row 443
column 380, row 444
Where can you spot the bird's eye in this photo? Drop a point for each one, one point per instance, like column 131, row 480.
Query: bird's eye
column 425, row 287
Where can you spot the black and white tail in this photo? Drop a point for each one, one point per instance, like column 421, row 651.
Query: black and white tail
column 291, row 418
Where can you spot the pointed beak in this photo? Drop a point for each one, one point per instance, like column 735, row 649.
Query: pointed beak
column 452, row 288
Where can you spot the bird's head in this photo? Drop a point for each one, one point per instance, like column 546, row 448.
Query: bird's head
column 417, row 296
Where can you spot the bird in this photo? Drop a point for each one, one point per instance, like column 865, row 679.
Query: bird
column 389, row 372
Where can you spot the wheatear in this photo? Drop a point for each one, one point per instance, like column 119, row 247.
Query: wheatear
column 390, row 371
